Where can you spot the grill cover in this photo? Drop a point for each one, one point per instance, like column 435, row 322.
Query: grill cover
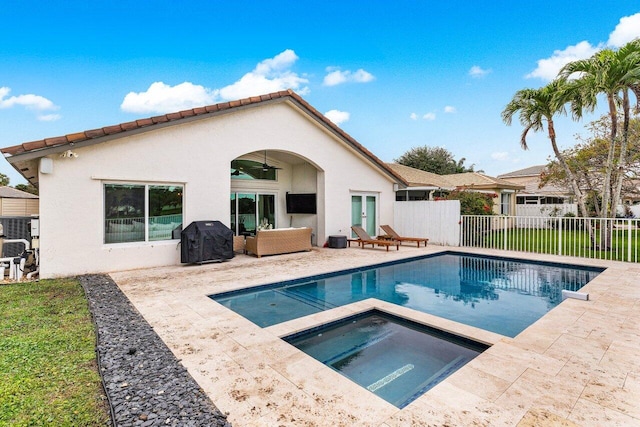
column 206, row 241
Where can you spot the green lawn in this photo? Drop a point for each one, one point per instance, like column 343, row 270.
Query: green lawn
column 48, row 371
column 573, row 243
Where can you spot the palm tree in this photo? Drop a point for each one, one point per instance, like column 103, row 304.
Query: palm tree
column 613, row 74
column 535, row 107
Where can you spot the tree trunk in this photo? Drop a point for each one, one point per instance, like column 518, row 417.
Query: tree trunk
column 608, row 210
column 622, row 159
column 572, row 179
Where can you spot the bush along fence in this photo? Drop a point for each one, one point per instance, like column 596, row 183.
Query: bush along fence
column 615, row 239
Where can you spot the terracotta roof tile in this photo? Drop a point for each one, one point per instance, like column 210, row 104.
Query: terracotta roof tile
column 159, row 119
column 127, row 126
column 144, row 122
column 56, row 140
column 110, row 130
column 33, row 145
column 73, row 137
column 94, row 133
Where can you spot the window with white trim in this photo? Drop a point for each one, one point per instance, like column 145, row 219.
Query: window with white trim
column 505, row 204
column 141, row 212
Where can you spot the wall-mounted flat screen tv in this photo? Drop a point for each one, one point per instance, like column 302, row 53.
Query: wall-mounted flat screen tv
column 301, row 203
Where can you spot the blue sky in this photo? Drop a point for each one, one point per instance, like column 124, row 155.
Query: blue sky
column 394, row 75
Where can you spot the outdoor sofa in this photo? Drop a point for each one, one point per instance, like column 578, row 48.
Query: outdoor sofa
column 278, row 241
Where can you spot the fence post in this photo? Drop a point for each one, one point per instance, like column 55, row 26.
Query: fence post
column 629, row 240
column 504, row 234
column 560, row 221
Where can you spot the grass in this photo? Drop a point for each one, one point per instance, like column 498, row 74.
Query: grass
column 48, row 370
column 573, row 243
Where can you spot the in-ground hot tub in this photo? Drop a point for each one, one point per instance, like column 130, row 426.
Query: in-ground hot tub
column 397, row 359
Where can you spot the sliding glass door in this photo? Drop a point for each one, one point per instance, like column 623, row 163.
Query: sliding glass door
column 249, row 211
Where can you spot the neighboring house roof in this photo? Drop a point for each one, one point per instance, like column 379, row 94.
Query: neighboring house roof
column 419, row 178
column 23, row 157
column 12, row 193
column 532, row 188
column 530, row 178
column 476, row 180
column 533, row 171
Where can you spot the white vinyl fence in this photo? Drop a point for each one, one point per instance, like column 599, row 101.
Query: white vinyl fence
column 439, row 221
column 598, row 238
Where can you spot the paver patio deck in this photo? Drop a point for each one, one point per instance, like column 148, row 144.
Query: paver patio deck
column 578, row 365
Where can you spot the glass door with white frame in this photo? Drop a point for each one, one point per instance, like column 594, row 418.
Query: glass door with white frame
column 364, row 212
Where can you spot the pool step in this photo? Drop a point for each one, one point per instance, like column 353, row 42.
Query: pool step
column 392, row 376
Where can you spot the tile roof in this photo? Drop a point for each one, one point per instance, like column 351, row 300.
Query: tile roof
column 530, row 171
column 479, row 180
column 12, row 193
column 419, row 178
column 20, row 155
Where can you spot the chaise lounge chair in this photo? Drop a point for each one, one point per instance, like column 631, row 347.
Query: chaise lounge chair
column 364, row 239
column 391, row 232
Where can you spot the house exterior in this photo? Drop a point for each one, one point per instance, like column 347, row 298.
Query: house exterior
column 504, row 190
column 533, row 193
column 422, row 185
column 17, row 203
column 116, row 198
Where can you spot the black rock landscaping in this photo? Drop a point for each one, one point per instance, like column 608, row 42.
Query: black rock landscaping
column 145, row 384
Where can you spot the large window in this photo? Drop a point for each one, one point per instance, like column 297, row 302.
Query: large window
column 140, row 213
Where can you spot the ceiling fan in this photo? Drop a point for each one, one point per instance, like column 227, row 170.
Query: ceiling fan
column 265, row 166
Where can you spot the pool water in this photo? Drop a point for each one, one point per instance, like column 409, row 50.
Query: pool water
column 396, row 359
column 501, row 295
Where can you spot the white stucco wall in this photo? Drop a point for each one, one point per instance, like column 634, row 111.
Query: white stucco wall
column 196, row 155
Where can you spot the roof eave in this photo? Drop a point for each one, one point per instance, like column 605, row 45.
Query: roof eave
column 84, row 139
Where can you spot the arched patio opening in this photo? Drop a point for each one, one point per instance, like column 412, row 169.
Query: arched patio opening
column 275, row 189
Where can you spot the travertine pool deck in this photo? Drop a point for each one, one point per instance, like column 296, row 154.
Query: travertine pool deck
column 578, row 365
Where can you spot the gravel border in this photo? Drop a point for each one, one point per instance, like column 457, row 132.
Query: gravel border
column 145, row 384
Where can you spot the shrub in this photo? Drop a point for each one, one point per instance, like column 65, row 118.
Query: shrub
column 473, row 203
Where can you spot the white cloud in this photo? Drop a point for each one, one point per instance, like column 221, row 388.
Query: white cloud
column 335, row 76
column 29, row 101
column 337, row 116
column 450, row 109
column 627, row 29
column 413, row 116
column 548, row 68
column 270, row 75
column 49, row 117
column 477, row 72
column 429, row 116
column 500, row 155
column 163, row 98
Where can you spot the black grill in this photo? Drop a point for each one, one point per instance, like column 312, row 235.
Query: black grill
column 206, row 241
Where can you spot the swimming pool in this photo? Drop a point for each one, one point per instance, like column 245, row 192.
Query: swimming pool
column 394, row 358
column 501, row 295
